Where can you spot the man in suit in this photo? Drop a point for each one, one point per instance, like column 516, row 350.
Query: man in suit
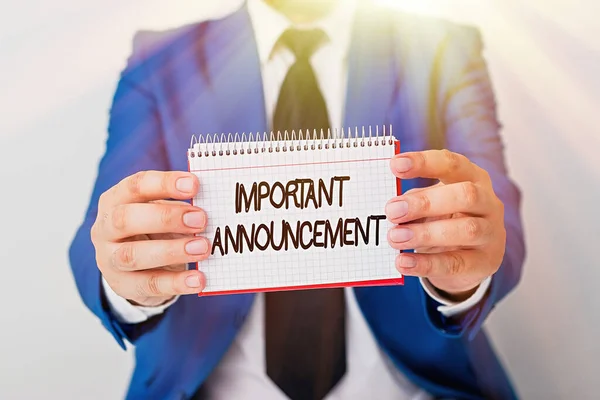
column 290, row 64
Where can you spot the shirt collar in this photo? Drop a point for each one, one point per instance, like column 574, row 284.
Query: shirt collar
column 269, row 24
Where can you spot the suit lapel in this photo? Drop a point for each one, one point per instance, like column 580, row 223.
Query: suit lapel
column 235, row 82
column 372, row 73
column 218, row 86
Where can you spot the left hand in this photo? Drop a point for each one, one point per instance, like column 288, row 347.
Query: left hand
column 456, row 226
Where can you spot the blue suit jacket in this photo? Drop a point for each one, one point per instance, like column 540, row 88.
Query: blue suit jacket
column 426, row 77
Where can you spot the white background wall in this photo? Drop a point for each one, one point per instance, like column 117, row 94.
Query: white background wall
column 59, row 63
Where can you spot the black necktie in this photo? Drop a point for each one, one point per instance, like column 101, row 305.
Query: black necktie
column 304, row 330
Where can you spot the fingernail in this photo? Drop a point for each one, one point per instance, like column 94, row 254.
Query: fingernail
column 405, row 261
column 195, row 219
column 402, row 164
column 185, row 185
column 400, row 235
column 193, row 281
column 197, row 247
column 396, row 209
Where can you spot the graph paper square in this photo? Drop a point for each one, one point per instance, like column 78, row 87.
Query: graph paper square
column 220, row 167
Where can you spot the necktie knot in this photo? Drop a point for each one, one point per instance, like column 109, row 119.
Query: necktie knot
column 303, row 43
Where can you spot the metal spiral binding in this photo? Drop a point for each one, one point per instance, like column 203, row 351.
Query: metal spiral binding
column 221, row 144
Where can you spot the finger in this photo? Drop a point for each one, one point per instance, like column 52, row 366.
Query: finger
column 459, row 232
column 449, row 264
column 148, row 254
column 161, row 283
column 465, row 197
column 444, row 165
column 146, row 186
column 126, row 220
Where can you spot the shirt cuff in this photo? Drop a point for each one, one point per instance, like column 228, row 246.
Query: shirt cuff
column 127, row 313
column 452, row 308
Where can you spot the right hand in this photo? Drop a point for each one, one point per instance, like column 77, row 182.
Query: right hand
column 143, row 242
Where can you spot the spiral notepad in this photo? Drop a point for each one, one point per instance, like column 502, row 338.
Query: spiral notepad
column 296, row 210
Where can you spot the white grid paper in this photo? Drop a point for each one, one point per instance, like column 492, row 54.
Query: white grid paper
column 370, row 186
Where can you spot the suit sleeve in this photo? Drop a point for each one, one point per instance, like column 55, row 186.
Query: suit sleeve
column 466, row 110
column 135, row 143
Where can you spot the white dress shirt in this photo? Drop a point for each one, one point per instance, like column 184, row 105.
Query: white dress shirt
column 241, row 372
